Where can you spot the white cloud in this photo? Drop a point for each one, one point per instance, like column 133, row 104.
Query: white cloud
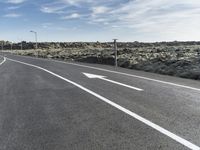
column 55, row 27
column 156, row 12
column 72, row 16
column 12, row 15
column 53, row 8
column 163, row 17
column 46, row 25
column 60, row 6
column 145, row 13
column 13, row 7
column 99, row 10
column 15, row 1
column 76, row 2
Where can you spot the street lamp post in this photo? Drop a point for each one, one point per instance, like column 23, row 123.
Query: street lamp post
column 115, row 48
column 36, row 42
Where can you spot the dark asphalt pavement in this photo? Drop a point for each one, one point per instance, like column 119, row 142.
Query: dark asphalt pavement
column 39, row 111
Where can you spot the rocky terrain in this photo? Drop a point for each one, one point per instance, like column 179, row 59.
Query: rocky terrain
column 171, row 58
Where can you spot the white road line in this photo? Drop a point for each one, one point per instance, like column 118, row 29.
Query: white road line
column 126, row 74
column 4, row 59
column 93, row 76
column 134, row 115
column 125, row 85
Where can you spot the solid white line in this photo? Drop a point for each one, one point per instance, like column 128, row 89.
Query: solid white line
column 128, row 86
column 4, row 59
column 94, row 76
column 134, row 115
column 121, row 73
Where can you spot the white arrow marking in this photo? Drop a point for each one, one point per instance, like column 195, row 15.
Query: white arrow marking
column 93, row 76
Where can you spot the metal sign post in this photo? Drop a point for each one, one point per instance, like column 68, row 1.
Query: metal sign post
column 2, row 47
column 115, row 49
column 21, row 45
column 11, row 46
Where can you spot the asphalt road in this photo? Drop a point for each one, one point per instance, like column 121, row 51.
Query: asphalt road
column 51, row 105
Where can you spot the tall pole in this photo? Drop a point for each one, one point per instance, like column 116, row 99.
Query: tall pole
column 2, row 46
column 115, row 49
column 11, row 46
column 36, row 39
column 21, row 46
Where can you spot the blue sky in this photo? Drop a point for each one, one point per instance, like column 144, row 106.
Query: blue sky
column 100, row 20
